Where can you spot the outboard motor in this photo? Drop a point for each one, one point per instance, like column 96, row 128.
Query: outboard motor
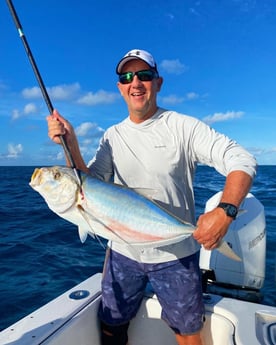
column 247, row 238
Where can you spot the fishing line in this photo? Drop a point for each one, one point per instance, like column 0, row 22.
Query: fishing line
column 41, row 84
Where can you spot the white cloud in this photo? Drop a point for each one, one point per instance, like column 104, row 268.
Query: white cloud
column 99, row 97
column 89, row 128
column 170, row 16
column 87, row 141
column 14, row 150
column 15, row 114
column 64, row 92
column 219, row 117
column 60, row 156
column 83, row 129
column 58, row 92
column 173, row 66
column 72, row 92
column 264, row 155
column 89, row 134
column 33, row 93
column 172, row 99
column 30, row 108
column 191, row 96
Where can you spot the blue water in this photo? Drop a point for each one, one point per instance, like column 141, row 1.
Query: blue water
column 41, row 255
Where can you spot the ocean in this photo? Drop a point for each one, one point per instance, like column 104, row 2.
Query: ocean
column 41, row 255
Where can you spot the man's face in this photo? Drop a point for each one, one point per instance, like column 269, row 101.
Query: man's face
column 140, row 96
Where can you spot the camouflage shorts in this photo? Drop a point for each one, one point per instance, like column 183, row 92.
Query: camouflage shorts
column 177, row 285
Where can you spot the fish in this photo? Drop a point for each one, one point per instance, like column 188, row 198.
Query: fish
column 112, row 211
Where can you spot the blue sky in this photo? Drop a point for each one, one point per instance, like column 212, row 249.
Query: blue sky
column 217, row 59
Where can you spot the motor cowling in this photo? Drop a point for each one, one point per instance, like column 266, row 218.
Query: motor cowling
column 247, row 237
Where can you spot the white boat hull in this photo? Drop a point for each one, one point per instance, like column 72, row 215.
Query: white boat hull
column 74, row 321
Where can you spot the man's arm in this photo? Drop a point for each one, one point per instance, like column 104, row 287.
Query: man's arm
column 212, row 226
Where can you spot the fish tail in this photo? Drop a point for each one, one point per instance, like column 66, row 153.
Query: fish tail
column 226, row 250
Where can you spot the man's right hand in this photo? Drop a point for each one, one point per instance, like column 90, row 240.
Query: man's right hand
column 58, row 126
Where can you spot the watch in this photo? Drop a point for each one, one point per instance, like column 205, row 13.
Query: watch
column 230, row 209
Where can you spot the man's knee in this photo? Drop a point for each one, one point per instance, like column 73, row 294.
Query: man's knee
column 114, row 335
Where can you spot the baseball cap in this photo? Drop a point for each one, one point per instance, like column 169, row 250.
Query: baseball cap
column 139, row 55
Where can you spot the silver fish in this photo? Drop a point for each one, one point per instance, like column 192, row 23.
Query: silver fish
column 111, row 211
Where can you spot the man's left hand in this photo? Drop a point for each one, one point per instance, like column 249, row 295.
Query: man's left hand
column 211, row 228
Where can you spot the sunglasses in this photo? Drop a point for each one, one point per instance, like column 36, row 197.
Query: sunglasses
column 144, row 75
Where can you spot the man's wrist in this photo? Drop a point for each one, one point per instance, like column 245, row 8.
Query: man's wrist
column 229, row 209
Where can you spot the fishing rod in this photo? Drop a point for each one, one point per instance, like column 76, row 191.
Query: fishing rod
column 41, row 84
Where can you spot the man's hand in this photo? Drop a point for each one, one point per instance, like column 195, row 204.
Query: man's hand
column 211, row 228
column 58, row 126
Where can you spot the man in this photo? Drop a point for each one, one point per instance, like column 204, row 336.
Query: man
column 159, row 149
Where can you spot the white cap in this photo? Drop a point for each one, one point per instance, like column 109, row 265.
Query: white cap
column 136, row 54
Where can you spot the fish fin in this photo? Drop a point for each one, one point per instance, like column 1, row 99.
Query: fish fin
column 82, row 234
column 226, row 250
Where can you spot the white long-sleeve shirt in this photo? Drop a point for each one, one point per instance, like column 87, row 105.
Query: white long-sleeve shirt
column 161, row 154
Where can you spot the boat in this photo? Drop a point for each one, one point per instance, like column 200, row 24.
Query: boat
column 235, row 314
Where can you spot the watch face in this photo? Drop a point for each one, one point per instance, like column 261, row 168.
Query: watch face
column 232, row 211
